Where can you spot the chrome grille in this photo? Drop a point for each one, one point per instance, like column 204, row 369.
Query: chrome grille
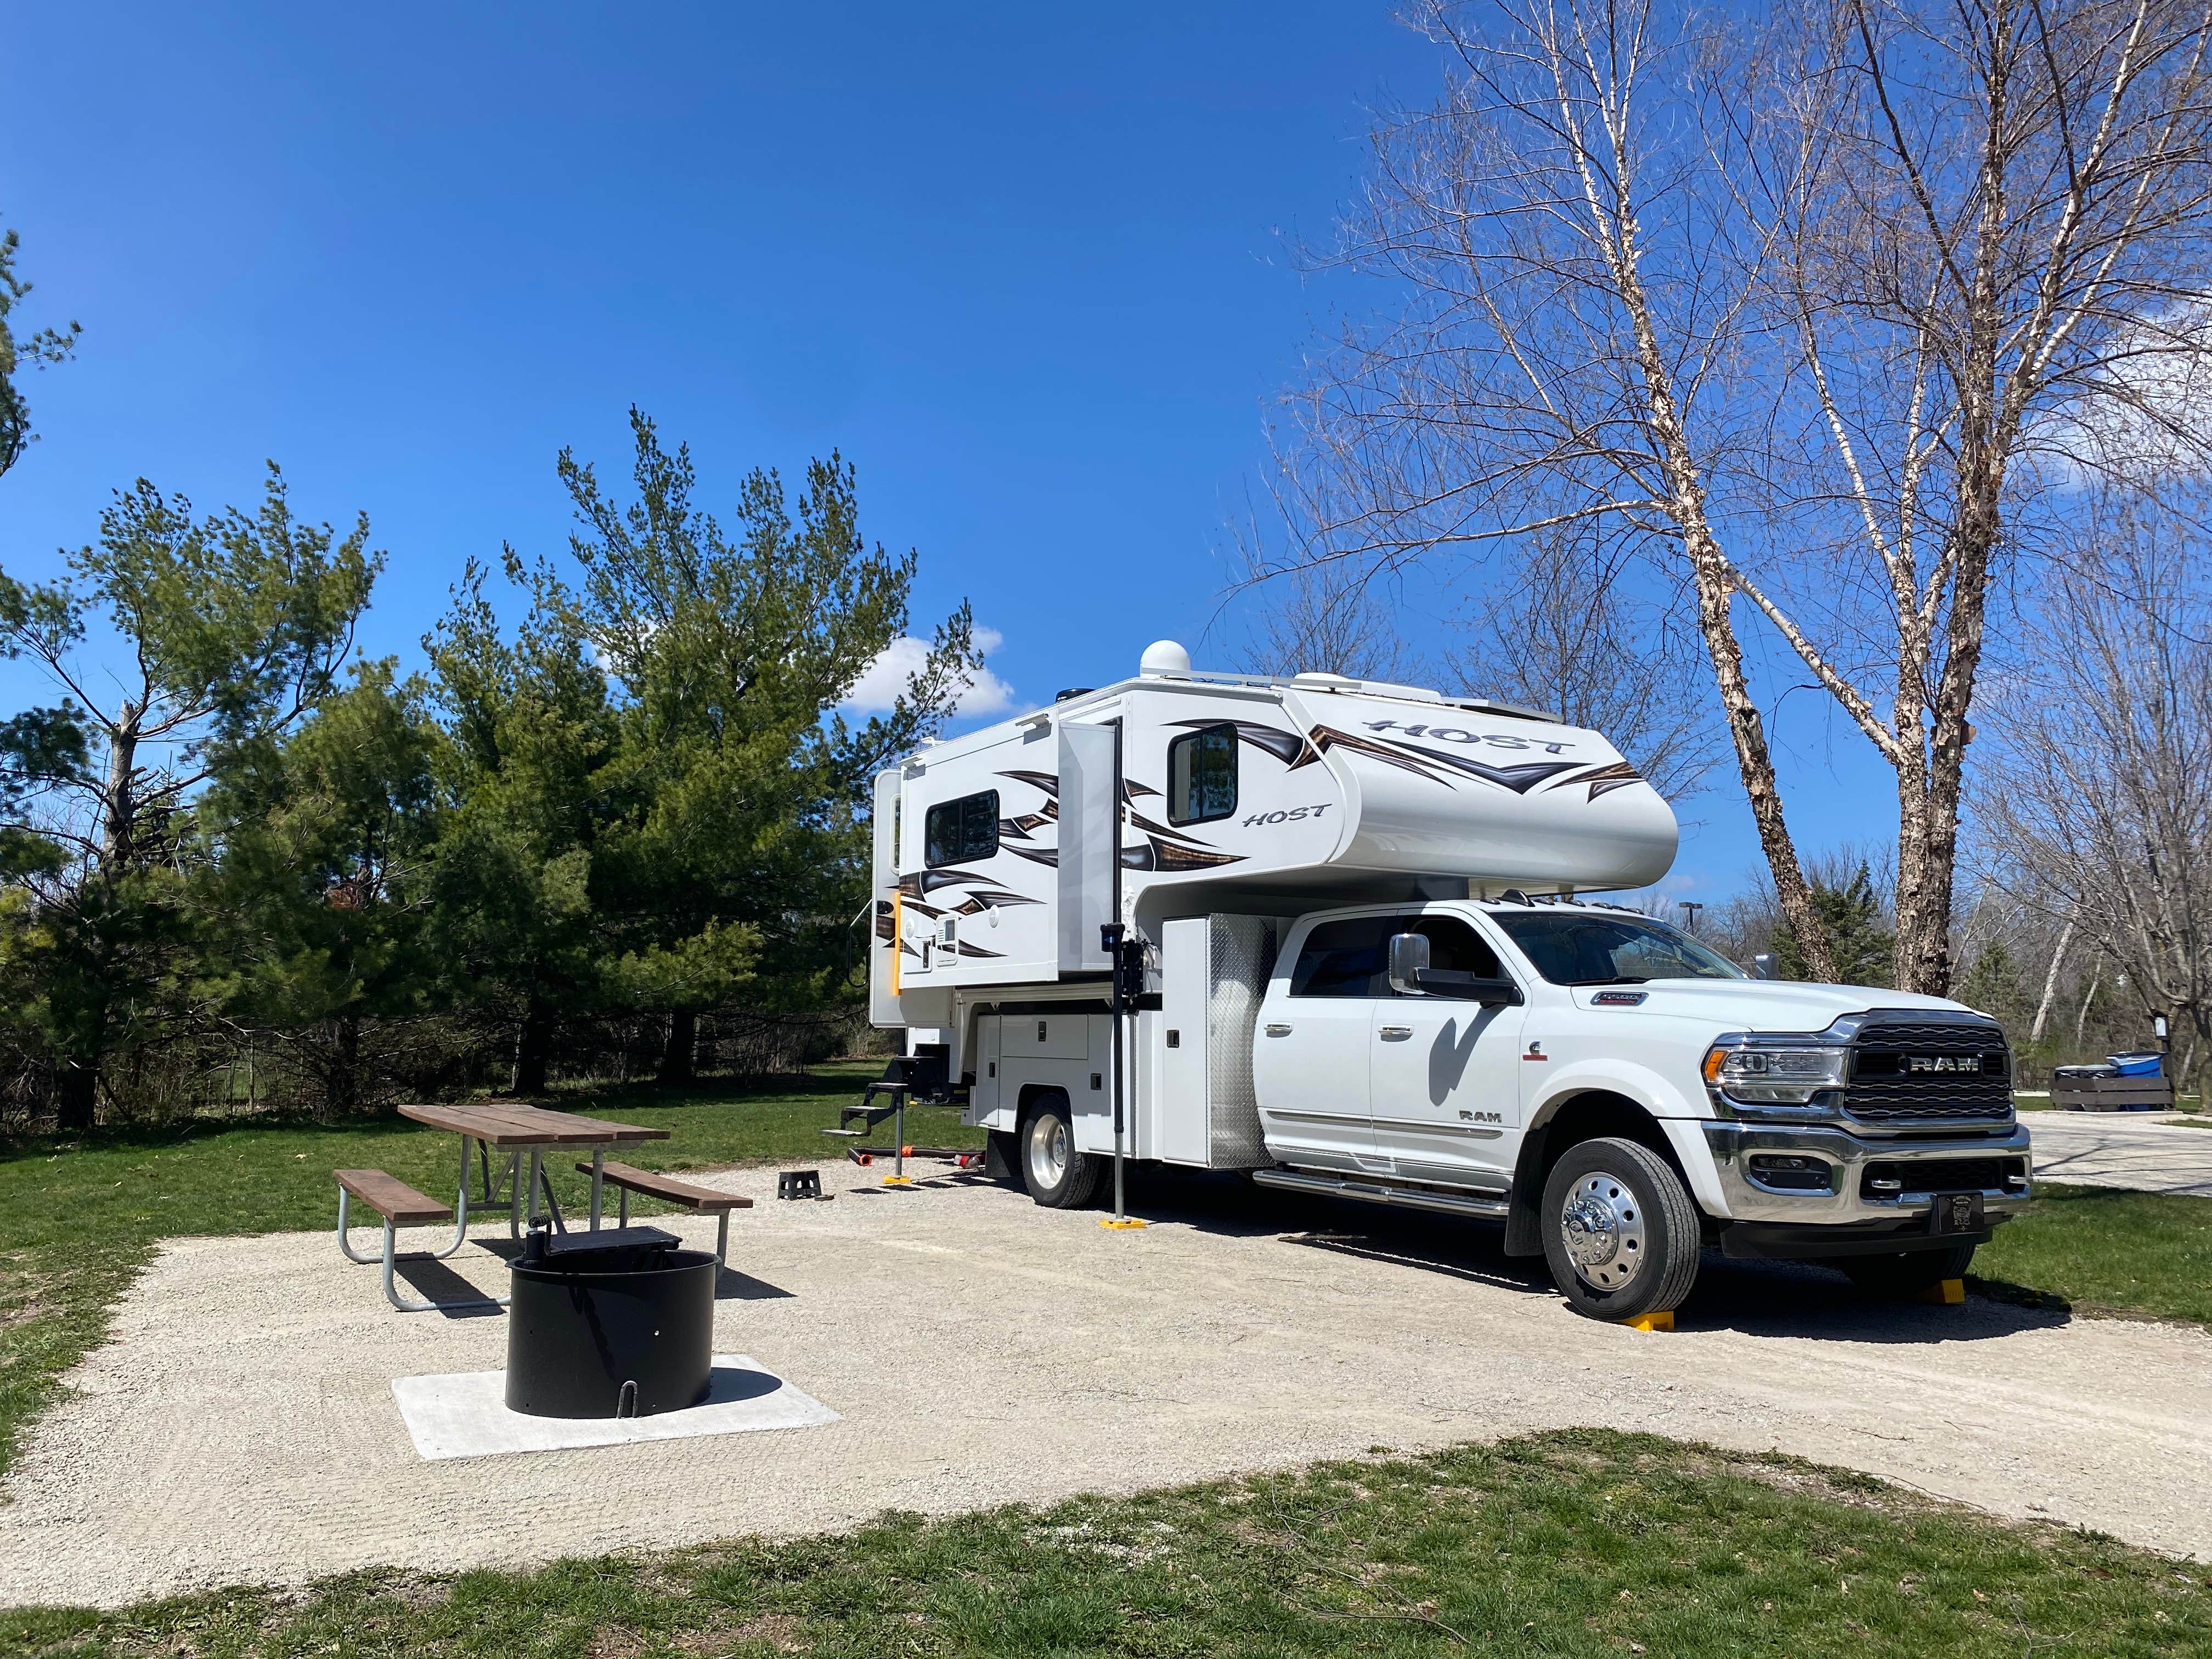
column 1884, row 1089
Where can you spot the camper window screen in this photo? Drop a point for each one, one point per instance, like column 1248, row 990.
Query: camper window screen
column 1202, row 776
column 955, row 831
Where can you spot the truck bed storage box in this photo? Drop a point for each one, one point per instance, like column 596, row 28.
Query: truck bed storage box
column 1214, row 972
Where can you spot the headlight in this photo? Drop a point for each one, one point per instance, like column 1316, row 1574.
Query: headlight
column 1775, row 1075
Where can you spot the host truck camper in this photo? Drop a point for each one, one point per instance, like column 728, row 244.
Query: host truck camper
column 1336, row 934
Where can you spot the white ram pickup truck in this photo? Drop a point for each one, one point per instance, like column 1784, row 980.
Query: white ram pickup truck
column 1619, row 1095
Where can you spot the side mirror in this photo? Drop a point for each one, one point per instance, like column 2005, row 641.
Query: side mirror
column 1409, row 954
column 1762, row 966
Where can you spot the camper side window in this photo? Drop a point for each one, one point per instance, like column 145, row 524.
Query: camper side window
column 955, row 831
column 1202, row 776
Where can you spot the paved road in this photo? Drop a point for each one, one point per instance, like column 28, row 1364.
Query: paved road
column 2117, row 1149
column 241, row 1425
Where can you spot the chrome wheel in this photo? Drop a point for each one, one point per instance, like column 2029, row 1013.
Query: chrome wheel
column 1601, row 1224
column 1049, row 1150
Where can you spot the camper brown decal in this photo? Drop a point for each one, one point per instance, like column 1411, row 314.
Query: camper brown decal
column 1521, row 779
column 1436, row 768
column 1164, row 850
column 1606, row 779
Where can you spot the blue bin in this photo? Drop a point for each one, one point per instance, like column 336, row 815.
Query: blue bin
column 2135, row 1065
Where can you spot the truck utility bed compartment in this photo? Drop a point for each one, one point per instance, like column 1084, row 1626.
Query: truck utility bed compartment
column 1213, row 975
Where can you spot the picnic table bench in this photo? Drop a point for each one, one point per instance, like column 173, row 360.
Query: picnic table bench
column 401, row 1206
column 628, row 1178
column 514, row 1128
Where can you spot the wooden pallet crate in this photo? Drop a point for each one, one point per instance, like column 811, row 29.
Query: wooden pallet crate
column 2112, row 1094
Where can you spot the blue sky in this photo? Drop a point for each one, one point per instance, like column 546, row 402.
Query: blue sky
column 1021, row 265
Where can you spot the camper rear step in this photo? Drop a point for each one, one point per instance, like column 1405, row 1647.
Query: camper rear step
column 1369, row 1190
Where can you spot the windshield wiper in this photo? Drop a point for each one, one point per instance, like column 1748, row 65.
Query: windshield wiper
column 1617, row 979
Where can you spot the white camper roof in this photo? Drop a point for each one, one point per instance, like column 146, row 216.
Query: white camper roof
column 1423, row 784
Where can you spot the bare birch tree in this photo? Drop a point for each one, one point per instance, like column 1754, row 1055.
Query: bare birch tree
column 1576, row 634
column 2099, row 808
column 1801, row 302
column 1322, row 618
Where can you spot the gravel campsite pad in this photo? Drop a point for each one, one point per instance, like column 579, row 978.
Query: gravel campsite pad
column 239, row 1426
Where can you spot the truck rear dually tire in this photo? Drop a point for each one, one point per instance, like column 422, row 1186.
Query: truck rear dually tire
column 1620, row 1230
column 1057, row 1176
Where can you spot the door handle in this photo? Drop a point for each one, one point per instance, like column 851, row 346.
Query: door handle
column 1273, row 1030
column 1397, row 1033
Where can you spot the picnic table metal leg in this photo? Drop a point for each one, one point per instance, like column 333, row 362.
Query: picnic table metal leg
column 366, row 1261
column 492, row 1184
column 598, row 1177
column 391, row 1290
column 460, row 1208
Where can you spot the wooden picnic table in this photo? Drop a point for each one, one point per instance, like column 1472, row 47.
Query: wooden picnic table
column 515, row 1129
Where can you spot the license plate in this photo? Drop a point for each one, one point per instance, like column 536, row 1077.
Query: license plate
column 1956, row 1213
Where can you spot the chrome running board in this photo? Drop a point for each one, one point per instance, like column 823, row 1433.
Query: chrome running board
column 1488, row 1206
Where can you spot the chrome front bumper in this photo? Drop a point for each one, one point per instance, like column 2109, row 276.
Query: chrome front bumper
column 1734, row 1143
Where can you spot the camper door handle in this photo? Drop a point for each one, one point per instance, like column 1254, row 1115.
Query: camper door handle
column 1397, row 1033
column 1273, row 1030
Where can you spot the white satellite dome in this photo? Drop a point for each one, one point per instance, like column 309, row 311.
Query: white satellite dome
column 1163, row 659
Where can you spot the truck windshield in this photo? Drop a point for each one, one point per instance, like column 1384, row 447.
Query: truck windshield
column 1586, row 949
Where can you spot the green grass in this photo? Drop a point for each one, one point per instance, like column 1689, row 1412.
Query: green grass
column 2102, row 1251
column 77, row 1219
column 1583, row 1542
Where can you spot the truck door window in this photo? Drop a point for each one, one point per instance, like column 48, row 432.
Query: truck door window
column 955, row 831
column 1347, row 958
column 1202, row 776
column 1452, row 945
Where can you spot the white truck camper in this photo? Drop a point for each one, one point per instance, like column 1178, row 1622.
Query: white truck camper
column 1335, row 933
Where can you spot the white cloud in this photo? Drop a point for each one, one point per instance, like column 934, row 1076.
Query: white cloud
column 2146, row 411
column 902, row 659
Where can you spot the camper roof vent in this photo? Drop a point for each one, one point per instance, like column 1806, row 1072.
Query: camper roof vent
column 1163, row 659
column 1315, row 677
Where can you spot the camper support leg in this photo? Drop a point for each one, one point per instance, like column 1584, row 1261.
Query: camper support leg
column 1120, row 1212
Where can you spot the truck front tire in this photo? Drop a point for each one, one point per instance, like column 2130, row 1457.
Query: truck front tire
column 1620, row 1230
column 1057, row 1176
